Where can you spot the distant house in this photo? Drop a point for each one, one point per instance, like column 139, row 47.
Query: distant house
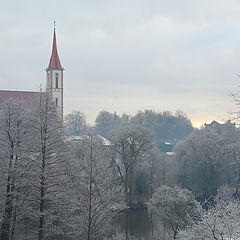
column 220, row 128
column 167, row 147
column 171, row 153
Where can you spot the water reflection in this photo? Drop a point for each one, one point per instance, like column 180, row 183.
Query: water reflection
column 137, row 224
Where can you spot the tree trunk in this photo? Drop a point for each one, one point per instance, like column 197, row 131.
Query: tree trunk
column 175, row 234
column 6, row 223
column 14, row 221
column 41, row 217
column 14, row 212
column 90, row 198
column 126, row 225
column 151, row 179
column 130, row 186
column 7, row 216
column 90, row 214
column 238, row 183
column 42, row 203
column 164, row 172
column 126, row 188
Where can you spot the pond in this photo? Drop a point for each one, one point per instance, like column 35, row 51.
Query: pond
column 138, row 225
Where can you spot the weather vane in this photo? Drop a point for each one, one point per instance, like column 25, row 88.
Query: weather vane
column 54, row 24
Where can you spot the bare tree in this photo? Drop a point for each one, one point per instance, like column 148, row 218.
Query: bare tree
column 128, row 145
column 98, row 193
column 157, row 169
column 75, row 123
column 147, row 175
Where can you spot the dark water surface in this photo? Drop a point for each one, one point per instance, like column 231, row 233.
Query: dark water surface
column 138, row 224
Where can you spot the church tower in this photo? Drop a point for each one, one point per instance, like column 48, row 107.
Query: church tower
column 55, row 78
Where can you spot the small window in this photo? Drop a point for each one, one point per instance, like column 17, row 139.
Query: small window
column 56, row 102
column 56, row 80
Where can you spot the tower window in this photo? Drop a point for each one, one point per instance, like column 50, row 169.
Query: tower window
column 48, row 85
column 56, row 80
column 56, row 102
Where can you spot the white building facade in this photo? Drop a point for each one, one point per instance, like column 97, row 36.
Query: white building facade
column 54, row 77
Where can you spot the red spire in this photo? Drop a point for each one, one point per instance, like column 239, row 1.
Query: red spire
column 54, row 63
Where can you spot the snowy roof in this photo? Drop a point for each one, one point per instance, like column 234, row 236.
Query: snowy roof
column 171, row 153
column 105, row 141
column 26, row 96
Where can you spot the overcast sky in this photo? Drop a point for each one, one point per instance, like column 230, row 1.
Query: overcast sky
column 127, row 55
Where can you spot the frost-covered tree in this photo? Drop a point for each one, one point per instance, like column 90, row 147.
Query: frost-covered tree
column 173, row 206
column 97, row 191
column 165, row 125
column 14, row 165
column 232, row 151
column 129, row 144
column 107, row 122
column 50, row 192
column 202, row 163
column 217, row 222
column 149, row 174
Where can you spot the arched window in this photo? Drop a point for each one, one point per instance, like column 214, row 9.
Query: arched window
column 56, row 102
column 56, row 80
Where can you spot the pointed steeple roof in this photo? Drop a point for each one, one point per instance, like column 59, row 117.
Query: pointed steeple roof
column 54, row 63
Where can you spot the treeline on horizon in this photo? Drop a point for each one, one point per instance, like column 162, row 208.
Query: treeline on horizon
column 165, row 126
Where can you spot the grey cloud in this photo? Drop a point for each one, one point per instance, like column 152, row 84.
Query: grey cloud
column 126, row 55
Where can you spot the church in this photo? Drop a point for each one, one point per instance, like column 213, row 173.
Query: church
column 54, row 82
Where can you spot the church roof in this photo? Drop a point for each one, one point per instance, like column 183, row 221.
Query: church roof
column 26, row 96
column 54, row 63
